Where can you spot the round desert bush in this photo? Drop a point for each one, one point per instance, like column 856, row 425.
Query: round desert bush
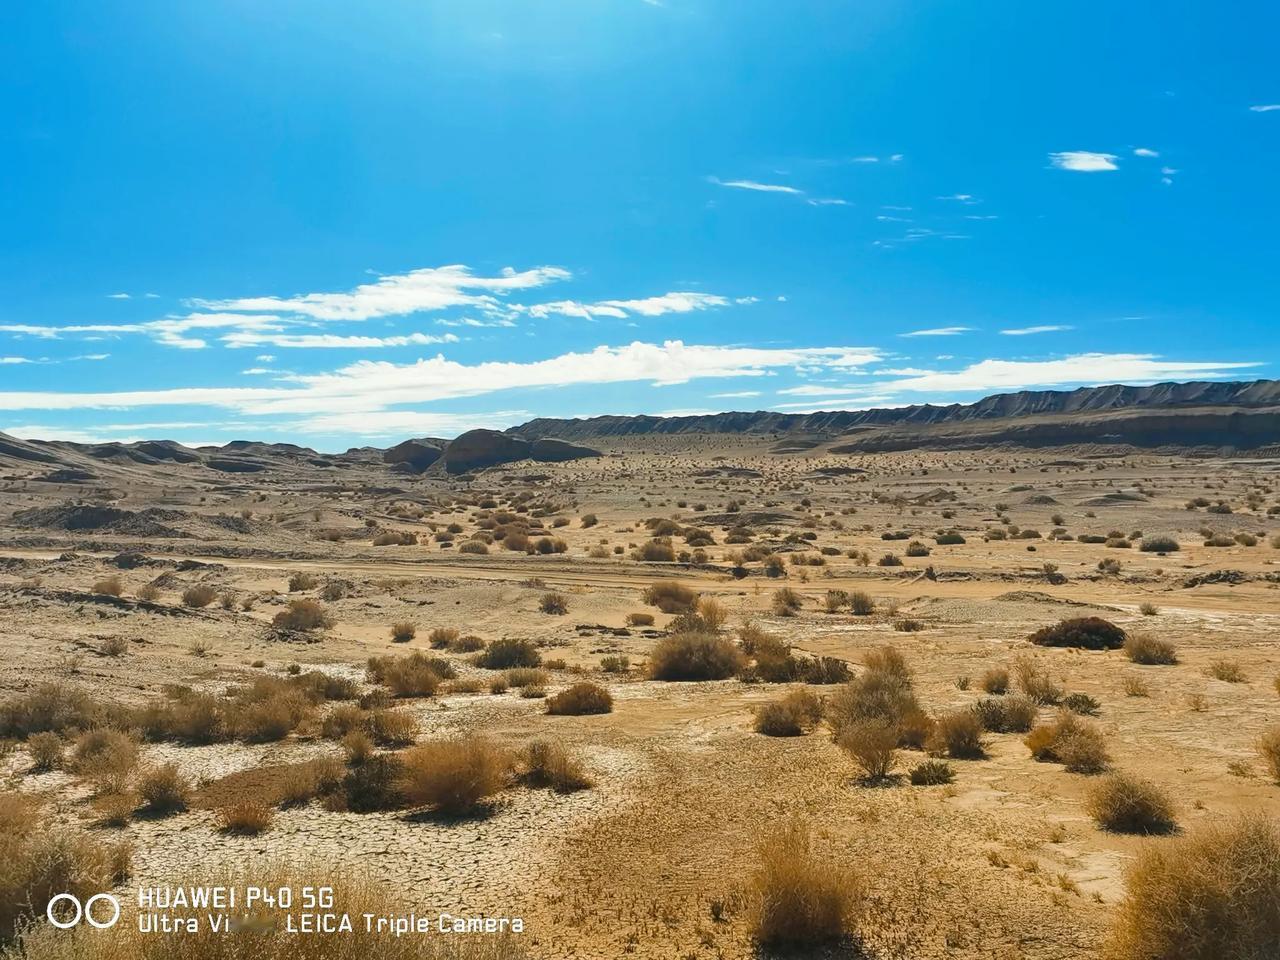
column 454, row 776
column 670, row 597
column 1011, row 714
column 164, row 790
column 995, row 681
column 199, row 595
column 786, row 602
column 108, row 587
column 883, row 691
column 246, row 817
column 1144, row 648
column 475, row 547
column 957, row 734
column 554, row 603
column 1091, row 633
column 46, row 751
column 1126, row 804
column 548, row 764
column 694, row 656
column 581, row 698
column 1159, row 545
column 304, row 614
column 655, row 551
column 1211, row 895
column 640, row 619
column 1071, row 741
column 791, row 715
column 861, row 603
column 507, row 652
column 799, row 899
column 872, row 745
column 931, row 773
column 917, row 549
column 950, row 539
column 403, row 632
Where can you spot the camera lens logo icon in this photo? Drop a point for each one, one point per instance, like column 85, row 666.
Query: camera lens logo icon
column 89, row 911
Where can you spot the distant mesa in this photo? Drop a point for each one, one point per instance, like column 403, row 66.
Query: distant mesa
column 477, row 449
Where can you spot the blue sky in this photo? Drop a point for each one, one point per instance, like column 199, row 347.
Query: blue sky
column 340, row 224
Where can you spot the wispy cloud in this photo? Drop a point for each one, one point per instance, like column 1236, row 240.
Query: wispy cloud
column 1145, row 152
column 1265, row 107
column 756, row 186
column 677, row 302
column 332, row 341
column 966, row 198
column 118, row 296
column 1083, row 369
column 938, row 332
column 1027, row 331
column 735, row 395
column 1083, row 161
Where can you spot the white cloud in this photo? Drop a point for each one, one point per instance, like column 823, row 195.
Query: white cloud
column 1083, row 161
column 965, row 198
column 619, row 309
column 117, row 296
column 1145, row 152
column 828, row 202
column 990, row 376
column 332, row 341
column 815, row 390
column 372, row 386
column 14, row 360
column 756, row 186
column 938, row 332
column 1045, row 328
column 849, row 402
column 1265, row 107
column 735, row 395
column 431, row 288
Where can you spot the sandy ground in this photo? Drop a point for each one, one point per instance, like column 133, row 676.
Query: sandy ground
column 654, row 861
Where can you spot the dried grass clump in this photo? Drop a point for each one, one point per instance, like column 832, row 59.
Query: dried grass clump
column 995, row 681
column 403, row 631
column 507, row 652
column 791, row 715
column 302, row 581
column 547, row 764
column 245, row 818
column 670, row 597
column 392, row 728
column 111, row 586
column 872, row 745
column 931, row 773
column 1211, row 895
column 694, row 656
column 50, row 707
column 200, row 595
column 581, row 698
column 38, row 861
column 454, row 777
column 303, row 614
column 1123, row 803
column 441, row 638
column 1075, row 743
column 1089, row 633
column 1269, row 750
column 553, row 603
column 1011, row 714
column 415, row 675
column 1144, row 648
column 46, row 751
column 639, row 619
column 883, row 691
column 861, row 603
column 1228, row 671
column 957, row 734
column 1036, row 683
column 105, row 756
column 786, row 602
column 799, row 899
column 164, row 790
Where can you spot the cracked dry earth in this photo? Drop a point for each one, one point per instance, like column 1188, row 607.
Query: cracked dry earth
column 655, row 860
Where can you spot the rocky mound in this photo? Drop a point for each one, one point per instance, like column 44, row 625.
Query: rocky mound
column 414, row 455
column 477, row 449
column 76, row 517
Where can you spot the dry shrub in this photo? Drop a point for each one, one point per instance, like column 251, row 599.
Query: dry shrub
column 1075, row 743
column 799, row 899
column 302, row 581
column 303, row 782
column 1012, row 714
column 1269, row 750
column 467, row 643
column 303, row 614
column 46, row 751
column 441, row 638
column 111, row 586
column 246, row 818
column 1144, row 648
column 38, row 861
column 199, row 595
column 694, row 656
column 357, row 746
column 712, row 613
column 553, row 603
column 931, row 773
column 106, row 756
column 640, row 619
column 861, row 603
column 1036, row 683
column 670, row 597
column 1089, row 633
column 1211, row 895
column 786, row 602
column 883, row 691
column 1228, row 671
column 411, row 676
column 164, row 790
column 509, row 652
column 520, row 677
column 655, row 551
column 392, row 728
column 477, row 547
column 957, row 733
column 148, row 592
column 1123, row 803
column 872, row 745
column 581, row 698
column 454, row 777
column 403, row 632
column 50, row 707
column 995, row 681
column 343, row 719
column 791, row 715
column 547, row 764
